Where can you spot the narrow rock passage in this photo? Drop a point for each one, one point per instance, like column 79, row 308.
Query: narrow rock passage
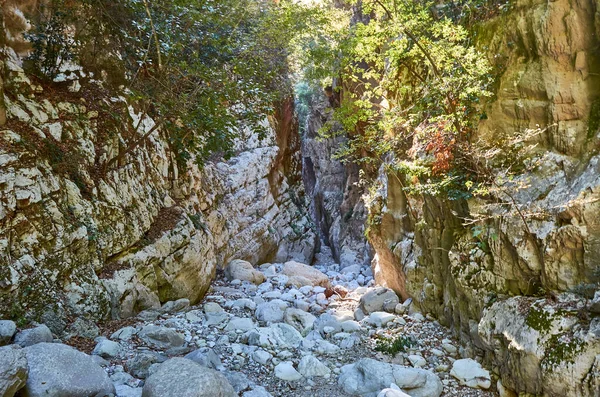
column 288, row 336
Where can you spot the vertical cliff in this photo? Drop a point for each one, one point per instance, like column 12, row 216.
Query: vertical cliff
column 79, row 238
column 334, row 190
column 513, row 274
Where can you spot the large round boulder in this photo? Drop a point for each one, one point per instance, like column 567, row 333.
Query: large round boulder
column 57, row 370
column 184, row 378
column 241, row 270
column 300, row 275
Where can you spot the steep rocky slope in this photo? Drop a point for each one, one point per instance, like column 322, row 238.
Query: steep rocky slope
column 332, row 187
column 77, row 239
column 505, row 282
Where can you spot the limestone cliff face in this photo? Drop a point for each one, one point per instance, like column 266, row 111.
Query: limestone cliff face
column 504, row 284
column 335, row 196
column 79, row 240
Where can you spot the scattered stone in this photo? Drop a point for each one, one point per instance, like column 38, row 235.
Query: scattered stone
column 175, row 306
column 269, row 312
column 278, row 335
column 417, row 361
column 124, row 334
column 240, row 324
column 258, row 391
column 161, row 337
column 392, row 391
column 185, row 378
column 59, row 370
column 139, row 364
column 13, row 370
column 286, row 371
column 206, row 357
column 449, row 348
column 107, row 349
column 373, row 301
column 380, row 319
column 238, row 380
column 32, row 336
column 7, row 331
column 310, row 366
column 262, row 357
column 300, row 320
column 470, row 373
column 370, row 376
column 244, row 271
column 302, row 275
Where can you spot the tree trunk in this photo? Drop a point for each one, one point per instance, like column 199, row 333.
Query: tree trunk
column 2, row 67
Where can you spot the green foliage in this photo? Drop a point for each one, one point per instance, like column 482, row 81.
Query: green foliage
column 413, row 87
column 203, row 69
column 395, row 345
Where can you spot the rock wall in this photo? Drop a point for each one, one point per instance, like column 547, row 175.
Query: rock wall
column 512, row 287
column 335, row 195
column 78, row 240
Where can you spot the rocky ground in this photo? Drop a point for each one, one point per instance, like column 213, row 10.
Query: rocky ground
column 285, row 330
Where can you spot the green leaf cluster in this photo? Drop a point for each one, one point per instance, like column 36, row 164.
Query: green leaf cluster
column 412, row 87
column 203, row 69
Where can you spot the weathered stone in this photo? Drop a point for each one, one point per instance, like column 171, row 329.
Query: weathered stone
column 13, row 370
column 161, row 337
column 107, row 349
column 374, row 300
column 286, row 371
column 300, row 275
column 244, row 271
column 237, row 380
column 175, row 306
column 279, row 335
column 258, row 391
column 59, row 370
column 29, row 337
column 240, row 323
column 124, row 333
column 367, row 377
column 309, row 366
column 470, row 373
column 300, row 320
column 7, row 331
column 206, row 357
column 139, row 364
column 184, row 378
column 380, row 319
column 393, row 391
column 269, row 312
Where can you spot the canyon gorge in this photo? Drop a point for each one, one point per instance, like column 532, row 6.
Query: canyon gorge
column 283, row 270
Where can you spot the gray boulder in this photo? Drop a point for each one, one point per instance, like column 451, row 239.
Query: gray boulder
column 13, row 370
column 32, row 336
column 376, row 299
column 258, row 391
column 58, row 370
column 175, row 306
column 368, row 377
column 161, row 337
column 300, row 320
column 244, row 271
column 7, row 331
column 184, row 378
column 269, row 312
column 107, row 349
column 278, row 335
column 139, row 365
column 206, row 357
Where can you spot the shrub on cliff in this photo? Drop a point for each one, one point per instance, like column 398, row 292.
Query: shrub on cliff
column 199, row 68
